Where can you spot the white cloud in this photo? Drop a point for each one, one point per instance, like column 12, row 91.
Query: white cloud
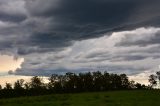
column 101, row 52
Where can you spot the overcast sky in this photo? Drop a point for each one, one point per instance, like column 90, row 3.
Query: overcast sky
column 42, row 37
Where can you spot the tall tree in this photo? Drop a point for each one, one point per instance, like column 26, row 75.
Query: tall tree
column 152, row 80
column 27, row 85
column 0, row 87
column 115, row 81
column 88, row 81
column 125, row 81
column 52, row 80
column 132, row 84
column 158, row 77
column 8, row 86
column 37, row 82
column 106, row 81
column 97, row 81
column 71, row 79
column 18, row 85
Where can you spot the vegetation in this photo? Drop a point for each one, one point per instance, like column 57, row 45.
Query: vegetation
column 73, row 83
column 110, row 98
column 154, row 79
column 70, row 83
column 73, row 90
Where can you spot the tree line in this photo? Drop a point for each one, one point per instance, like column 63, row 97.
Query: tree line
column 70, row 83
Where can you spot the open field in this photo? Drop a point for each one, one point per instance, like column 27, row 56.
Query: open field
column 113, row 98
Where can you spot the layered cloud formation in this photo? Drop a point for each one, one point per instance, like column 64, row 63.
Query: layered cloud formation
column 56, row 36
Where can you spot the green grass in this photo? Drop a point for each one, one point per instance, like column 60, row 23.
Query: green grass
column 113, row 98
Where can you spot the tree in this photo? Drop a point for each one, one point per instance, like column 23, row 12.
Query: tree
column 158, row 77
column 132, row 84
column 97, row 80
column 115, row 81
column 70, row 82
column 18, row 85
column 59, row 84
column 140, row 86
column 87, row 81
column 52, row 80
column 8, row 86
column 80, row 82
column 27, row 85
column 36, row 83
column 125, row 81
column 152, row 80
column 106, row 81
column 0, row 87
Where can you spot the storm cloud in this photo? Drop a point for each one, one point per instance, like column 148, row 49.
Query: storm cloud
column 55, row 24
column 80, row 35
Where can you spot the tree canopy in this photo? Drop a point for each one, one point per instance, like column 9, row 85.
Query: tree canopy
column 71, row 83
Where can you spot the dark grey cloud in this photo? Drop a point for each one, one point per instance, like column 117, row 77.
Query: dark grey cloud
column 12, row 11
column 39, row 30
column 47, row 72
column 54, row 24
column 127, row 69
column 79, row 20
column 12, row 17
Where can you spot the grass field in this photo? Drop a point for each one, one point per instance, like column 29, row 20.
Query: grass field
column 113, row 98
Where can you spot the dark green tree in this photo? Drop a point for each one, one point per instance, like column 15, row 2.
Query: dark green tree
column 8, row 86
column 71, row 82
column 52, row 80
column 139, row 86
column 97, row 81
column 158, row 77
column 124, row 81
column 18, row 85
column 152, row 80
column 36, row 83
column 132, row 84
column 87, row 81
column 0, row 87
column 115, row 81
column 106, row 81
column 27, row 85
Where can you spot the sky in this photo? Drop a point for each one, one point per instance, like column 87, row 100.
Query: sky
column 42, row 37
